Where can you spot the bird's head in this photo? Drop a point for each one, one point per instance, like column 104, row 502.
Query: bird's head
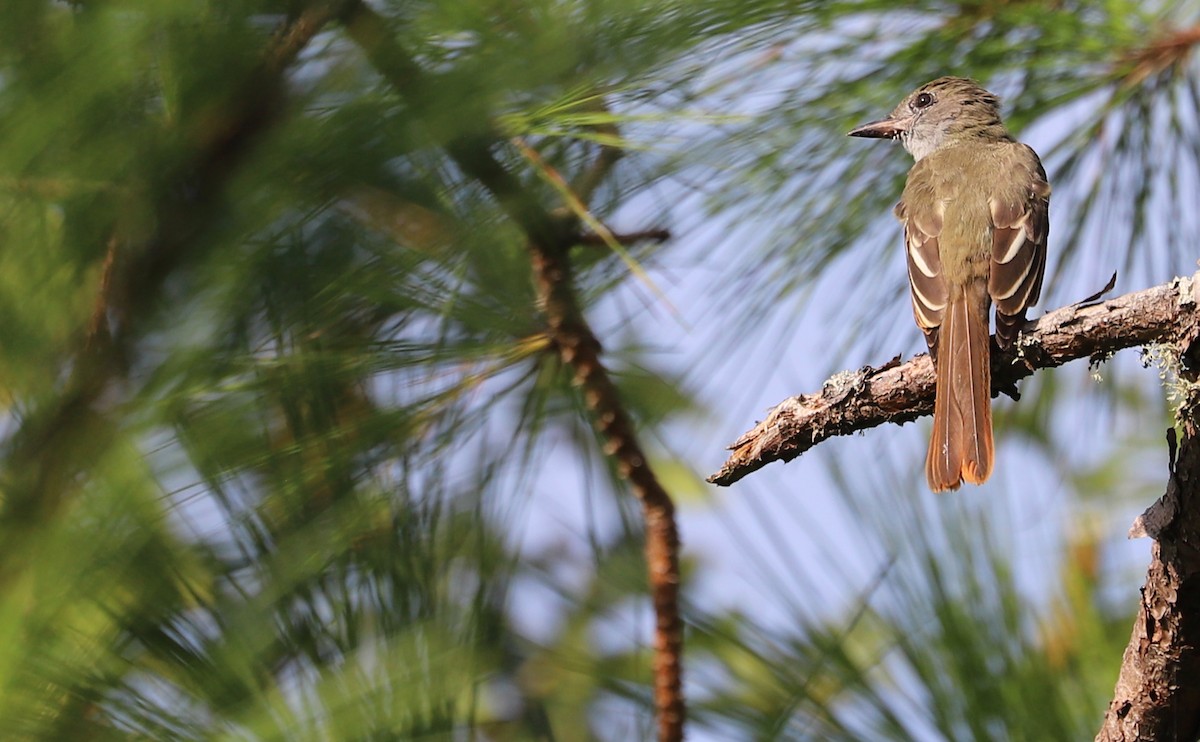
column 944, row 112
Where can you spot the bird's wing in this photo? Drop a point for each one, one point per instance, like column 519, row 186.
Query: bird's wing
column 922, row 227
column 1020, row 226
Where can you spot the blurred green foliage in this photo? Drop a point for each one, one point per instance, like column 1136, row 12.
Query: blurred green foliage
column 275, row 383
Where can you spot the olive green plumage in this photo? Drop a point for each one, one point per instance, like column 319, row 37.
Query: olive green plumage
column 974, row 211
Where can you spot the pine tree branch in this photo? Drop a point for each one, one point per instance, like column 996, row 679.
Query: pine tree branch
column 606, row 159
column 189, row 196
column 579, row 348
column 549, row 238
column 59, row 438
column 625, row 238
column 899, row 392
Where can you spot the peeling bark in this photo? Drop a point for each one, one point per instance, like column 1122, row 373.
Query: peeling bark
column 1157, row 695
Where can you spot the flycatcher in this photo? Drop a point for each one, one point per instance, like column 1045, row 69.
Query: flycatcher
column 974, row 212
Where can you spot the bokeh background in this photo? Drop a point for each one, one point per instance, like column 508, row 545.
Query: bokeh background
column 285, row 455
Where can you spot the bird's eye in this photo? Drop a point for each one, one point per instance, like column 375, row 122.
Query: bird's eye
column 924, row 100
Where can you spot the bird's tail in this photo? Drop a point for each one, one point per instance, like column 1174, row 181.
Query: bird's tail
column 961, row 446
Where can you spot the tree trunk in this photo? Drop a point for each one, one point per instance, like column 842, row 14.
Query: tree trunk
column 1157, row 696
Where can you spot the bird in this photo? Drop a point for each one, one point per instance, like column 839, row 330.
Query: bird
column 975, row 212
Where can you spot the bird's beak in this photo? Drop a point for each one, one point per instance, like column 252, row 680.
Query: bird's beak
column 889, row 128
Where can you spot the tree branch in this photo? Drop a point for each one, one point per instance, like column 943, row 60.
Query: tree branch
column 899, row 392
column 549, row 238
column 59, row 438
column 591, row 178
column 626, row 238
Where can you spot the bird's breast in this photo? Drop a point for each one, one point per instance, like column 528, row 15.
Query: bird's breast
column 956, row 183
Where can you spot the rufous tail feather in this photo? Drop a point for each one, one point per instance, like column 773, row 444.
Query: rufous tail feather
column 961, row 446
